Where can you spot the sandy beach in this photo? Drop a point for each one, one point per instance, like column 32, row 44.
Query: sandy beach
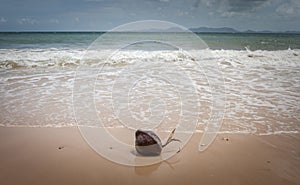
column 61, row 156
column 87, row 87
column 250, row 97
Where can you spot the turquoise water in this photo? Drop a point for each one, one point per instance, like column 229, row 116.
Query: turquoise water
column 46, row 40
column 232, row 41
column 262, row 41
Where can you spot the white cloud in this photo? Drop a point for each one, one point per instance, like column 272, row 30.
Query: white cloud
column 3, row 20
column 230, row 8
column 228, row 14
column 290, row 8
column 182, row 13
column 27, row 21
column 54, row 21
column 93, row 0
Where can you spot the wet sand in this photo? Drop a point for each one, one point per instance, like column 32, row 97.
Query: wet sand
column 61, row 156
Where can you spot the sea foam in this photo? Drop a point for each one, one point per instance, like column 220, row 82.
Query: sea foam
column 262, row 87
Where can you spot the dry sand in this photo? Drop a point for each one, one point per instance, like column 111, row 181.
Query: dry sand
column 60, row 156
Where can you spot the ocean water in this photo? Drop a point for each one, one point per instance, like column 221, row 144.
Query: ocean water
column 260, row 71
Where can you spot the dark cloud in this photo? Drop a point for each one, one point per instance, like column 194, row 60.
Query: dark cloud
column 106, row 14
column 244, row 5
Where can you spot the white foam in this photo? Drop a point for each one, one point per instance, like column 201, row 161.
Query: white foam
column 262, row 87
column 27, row 58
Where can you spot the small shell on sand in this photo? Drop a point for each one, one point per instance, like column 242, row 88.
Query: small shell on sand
column 225, row 138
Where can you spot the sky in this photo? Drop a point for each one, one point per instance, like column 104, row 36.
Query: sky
column 102, row 15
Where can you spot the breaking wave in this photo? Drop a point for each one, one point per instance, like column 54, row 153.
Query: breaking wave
column 262, row 87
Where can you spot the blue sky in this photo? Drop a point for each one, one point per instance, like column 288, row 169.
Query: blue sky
column 96, row 15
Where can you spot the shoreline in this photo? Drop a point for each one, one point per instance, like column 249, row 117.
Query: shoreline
column 283, row 132
column 61, row 156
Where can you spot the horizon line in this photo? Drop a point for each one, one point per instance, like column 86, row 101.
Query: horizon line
column 104, row 31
